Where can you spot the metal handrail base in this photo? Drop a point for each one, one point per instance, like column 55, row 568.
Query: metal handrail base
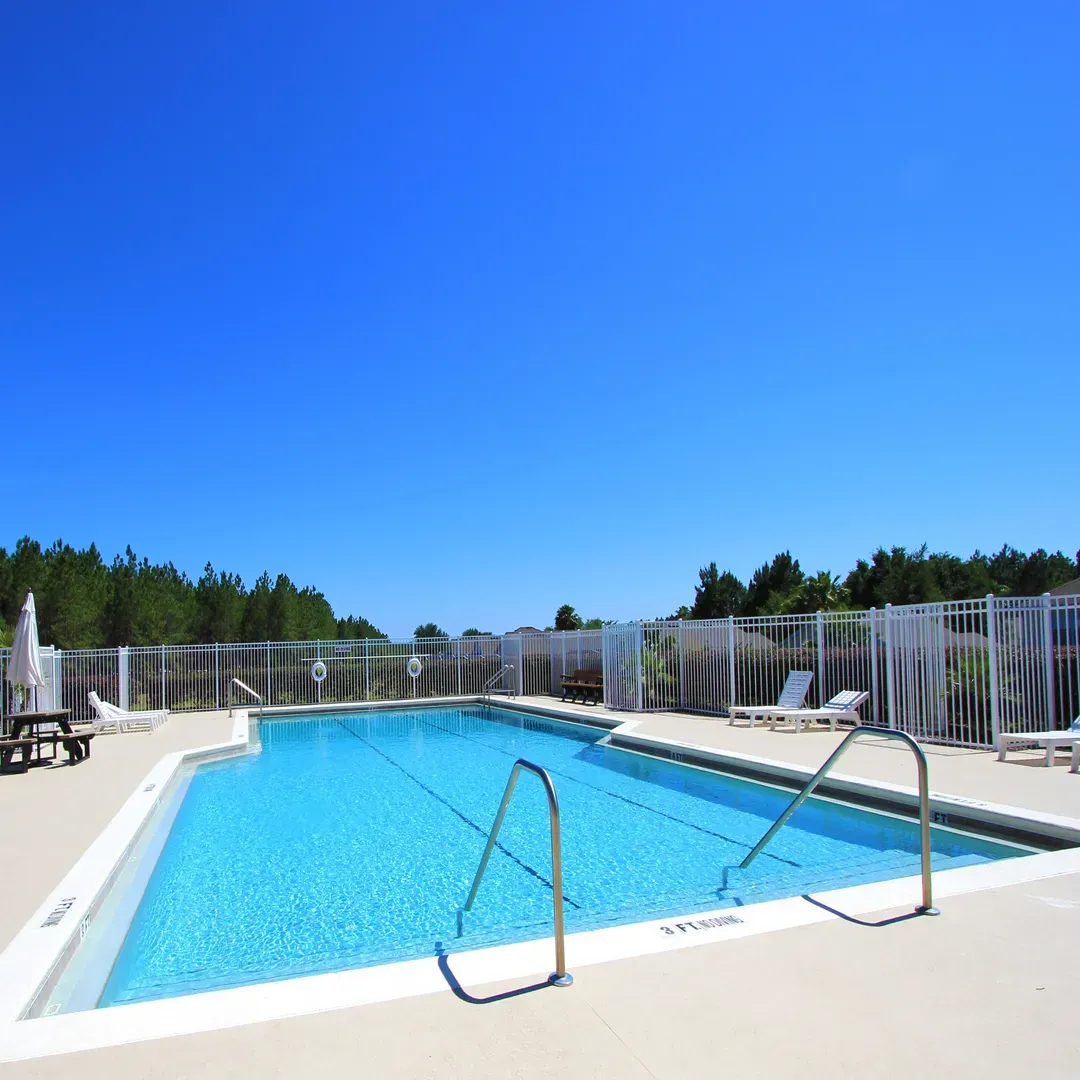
column 927, row 905
column 244, row 686
column 560, row 976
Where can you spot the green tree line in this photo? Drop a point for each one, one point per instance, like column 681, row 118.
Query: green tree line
column 896, row 576
column 84, row 602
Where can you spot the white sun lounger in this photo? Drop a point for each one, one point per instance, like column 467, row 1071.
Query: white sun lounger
column 1052, row 740
column 124, row 720
column 842, row 706
column 791, row 697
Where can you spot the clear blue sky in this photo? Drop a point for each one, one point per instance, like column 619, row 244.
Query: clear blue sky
column 463, row 311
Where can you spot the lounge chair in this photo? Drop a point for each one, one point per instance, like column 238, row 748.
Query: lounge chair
column 120, row 720
column 791, row 697
column 1052, row 740
column 842, row 706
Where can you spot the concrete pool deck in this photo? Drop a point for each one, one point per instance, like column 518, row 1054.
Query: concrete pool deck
column 984, row 990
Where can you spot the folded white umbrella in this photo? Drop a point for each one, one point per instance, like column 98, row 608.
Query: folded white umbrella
column 24, row 665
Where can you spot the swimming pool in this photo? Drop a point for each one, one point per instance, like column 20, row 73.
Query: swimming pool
column 353, row 838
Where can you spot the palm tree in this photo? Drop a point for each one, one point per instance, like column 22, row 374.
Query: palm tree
column 822, row 592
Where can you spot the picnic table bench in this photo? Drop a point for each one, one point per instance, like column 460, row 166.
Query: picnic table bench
column 74, row 740
column 588, row 684
column 9, row 748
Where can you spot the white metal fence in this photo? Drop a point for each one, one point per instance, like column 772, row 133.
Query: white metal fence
column 547, row 657
column 958, row 672
column 193, row 677
column 17, row 699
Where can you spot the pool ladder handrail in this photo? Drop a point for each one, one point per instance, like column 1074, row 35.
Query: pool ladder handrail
column 560, row 976
column 497, row 677
column 927, row 906
column 244, row 686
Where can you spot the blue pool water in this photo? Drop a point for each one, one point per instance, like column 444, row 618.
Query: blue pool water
column 353, row 839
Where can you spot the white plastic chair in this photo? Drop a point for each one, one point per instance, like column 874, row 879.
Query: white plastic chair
column 124, row 720
column 840, row 706
column 791, row 697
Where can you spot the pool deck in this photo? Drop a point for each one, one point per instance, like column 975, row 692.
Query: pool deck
column 985, row 990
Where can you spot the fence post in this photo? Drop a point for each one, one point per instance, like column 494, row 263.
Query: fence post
column 122, row 666
column 58, row 680
column 991, row 651
column 639, row 666
column 164, row 704
column 1048, row 646
column 268, row 673
column 682, row 691
column 608, row 679
column 890, row 670
column 874, row 667
column 459, row 690
column 217, row 676
column 57, row 683
column 821, row 658
column 367, row 675
column 731, row 661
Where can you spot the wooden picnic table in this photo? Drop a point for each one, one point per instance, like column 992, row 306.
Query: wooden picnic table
column 77, row 744
column 589, row 684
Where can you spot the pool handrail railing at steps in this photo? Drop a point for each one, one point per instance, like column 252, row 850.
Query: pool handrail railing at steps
column 927, row 906
column 560, row 976
column 244, row 686
column 497, row 677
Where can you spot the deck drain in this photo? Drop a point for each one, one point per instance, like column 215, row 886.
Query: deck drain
column 59, row 911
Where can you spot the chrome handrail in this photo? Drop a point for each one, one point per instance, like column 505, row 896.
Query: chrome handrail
column 560, row 976
column 244, row 686
column 927, row 906
column 497, row 677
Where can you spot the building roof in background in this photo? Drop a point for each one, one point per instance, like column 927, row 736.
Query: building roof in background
column 526, row 630
column 1070, row 588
